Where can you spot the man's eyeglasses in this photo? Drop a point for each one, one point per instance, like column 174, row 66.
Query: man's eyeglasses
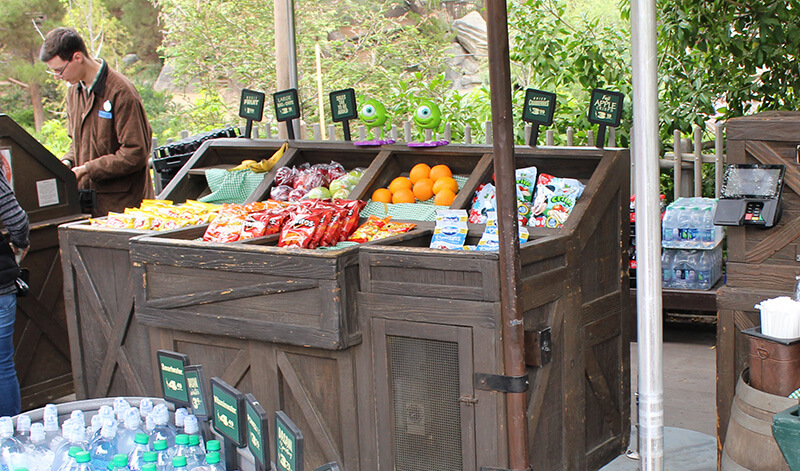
column 59, row 73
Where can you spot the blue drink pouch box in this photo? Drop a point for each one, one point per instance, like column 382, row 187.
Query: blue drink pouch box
column 450, row 231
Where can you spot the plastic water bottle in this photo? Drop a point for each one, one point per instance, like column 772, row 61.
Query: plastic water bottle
column 705, row 269
column 212, row 463
column 215, row 445
column 83, row 459
column 181, row 447
column 709, row 230
column 11, row 450
column 162, row 430
column 196, row 453
column 669, row 225
column 39, row 454
column 151, row 458
column 70, row 463
column 180, row 417
column 684, row 276
column 160, row 448
column 120, row 463
column 136, row 455
column 104, row 449
column 667, row 268
column 132, row 426
column 120, row 405
column 145, row 407
column 150, row 467
column 24, row 429
column 104, row 414
column 179, row 463
column 52, row 432
column 191, row 427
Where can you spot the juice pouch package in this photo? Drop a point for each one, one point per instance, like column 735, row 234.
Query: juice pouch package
column 490, row 240
column 450, row 231
column 526, row 183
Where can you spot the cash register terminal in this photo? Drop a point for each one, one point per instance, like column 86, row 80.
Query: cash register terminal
column 750, row 195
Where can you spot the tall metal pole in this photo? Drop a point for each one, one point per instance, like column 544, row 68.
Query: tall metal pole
column 510, row 284
column 648, row 234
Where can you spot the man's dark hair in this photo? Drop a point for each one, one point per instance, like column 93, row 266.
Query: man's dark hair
column 62, row 42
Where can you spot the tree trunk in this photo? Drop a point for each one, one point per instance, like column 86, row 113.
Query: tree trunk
column 38, row 106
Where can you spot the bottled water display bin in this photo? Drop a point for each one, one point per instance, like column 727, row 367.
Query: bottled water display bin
column 691, row 269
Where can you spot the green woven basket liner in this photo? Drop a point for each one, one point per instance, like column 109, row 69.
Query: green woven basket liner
column 419, row 211
column 231, row 187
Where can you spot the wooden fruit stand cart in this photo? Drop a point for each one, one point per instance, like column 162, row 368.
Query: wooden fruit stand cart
column 338, row 339
column 48, row 192
column 762, row 264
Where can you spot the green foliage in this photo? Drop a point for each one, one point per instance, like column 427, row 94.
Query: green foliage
column 54, row 136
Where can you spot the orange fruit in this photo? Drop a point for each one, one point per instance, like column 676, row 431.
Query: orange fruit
column 444, row 198
column 423, row 189
column 445, row 183
column 440, row 171
column 403, row 195
column 382, row 195
column 399, row 183
column 418, row 172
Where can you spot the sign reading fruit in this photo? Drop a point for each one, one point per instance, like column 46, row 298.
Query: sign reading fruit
column 171, row 368
column 251, row 105
column 423, row 183
column 227, row 408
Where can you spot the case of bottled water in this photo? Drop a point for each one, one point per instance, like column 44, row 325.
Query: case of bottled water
column 691, row 269
column 689, row 224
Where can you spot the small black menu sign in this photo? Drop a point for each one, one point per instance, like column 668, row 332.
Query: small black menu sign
column 539, row 107
column 251, row 105
column 343, row 105
column 257, row 431
column 228, row 409
column 334, row 466
column 288, row 444
column 196, row 382
column 171, row 368
column 287, row 105
column 605, row 107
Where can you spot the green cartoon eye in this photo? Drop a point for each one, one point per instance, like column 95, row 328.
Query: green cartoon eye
column 368, row 111
column 424, row 112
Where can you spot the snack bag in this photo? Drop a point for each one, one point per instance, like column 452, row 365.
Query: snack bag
column 393, row 228
column 526, row 183
column 367, row 231
column 224, row 230
column 555, row 198
column 298, row 231
column 350, row 221
column 450, row 231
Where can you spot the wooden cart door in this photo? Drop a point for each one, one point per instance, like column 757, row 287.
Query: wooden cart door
column 423, row 387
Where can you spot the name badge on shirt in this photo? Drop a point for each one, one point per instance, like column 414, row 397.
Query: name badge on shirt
column 106, row 111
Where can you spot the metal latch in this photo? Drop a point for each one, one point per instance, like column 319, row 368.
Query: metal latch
column 538, row 347
column 501, row 383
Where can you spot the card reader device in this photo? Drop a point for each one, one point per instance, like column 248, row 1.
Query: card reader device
column 750, row 195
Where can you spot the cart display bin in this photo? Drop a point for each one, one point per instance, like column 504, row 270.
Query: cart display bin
column 48, row 192
column 250, row 290
column 762, row 263
column 110, row 347
column 431, row 322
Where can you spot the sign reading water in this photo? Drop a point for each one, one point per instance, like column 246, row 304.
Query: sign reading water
column 227, row 409
column 171, row 368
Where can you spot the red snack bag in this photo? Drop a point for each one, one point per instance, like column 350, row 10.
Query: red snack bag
column 298, row 230
column 331, row 236
column 319, row 231
column 274, row 221
column 350, row 221
column 393, row 228
column 254, row 226
column 367, row 231
column 224, row 229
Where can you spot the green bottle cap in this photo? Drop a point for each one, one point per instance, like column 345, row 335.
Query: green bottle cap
column 83, row 457
column 150, row 457
column 150, row 467
column 213, row 445
column 182, row 439
column 212, row 457
column 120, row 460
column 179, row 461
column 20, row 469
column 160, row 445
column 194, row 440
column 73, row 450
column 141, row 438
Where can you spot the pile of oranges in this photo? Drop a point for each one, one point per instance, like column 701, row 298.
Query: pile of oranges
column 423, row 183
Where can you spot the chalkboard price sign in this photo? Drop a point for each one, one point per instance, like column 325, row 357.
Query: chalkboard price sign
column 257, row 431
column 171, row 368
column 605, row 107
column 343, row 105
column 288, row 444
column 539, row 107
column 198, row 397
column 227, row 407
column 287, row 105
column 251, row 105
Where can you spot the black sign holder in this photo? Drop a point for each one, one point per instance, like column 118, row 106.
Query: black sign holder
column 167, row 362
column 258, row 435
column 343, row 109
column 332, row 466
column 251, row 107
column 539, row 109
column 605, row 109
column 198, row 396
column 286, row 429
column 287, row 108
column 230, row 443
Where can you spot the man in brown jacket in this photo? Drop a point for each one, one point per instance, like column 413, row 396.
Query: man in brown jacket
column 111, row 137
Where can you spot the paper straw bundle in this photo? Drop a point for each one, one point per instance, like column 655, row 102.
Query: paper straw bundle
column 780, row 317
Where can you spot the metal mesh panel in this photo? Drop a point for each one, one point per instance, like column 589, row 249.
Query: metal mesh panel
column 425, row 393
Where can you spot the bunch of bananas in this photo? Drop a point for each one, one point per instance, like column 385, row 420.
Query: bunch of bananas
column 265, row 165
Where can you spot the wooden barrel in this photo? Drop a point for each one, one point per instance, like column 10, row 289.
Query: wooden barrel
column 749, row 444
